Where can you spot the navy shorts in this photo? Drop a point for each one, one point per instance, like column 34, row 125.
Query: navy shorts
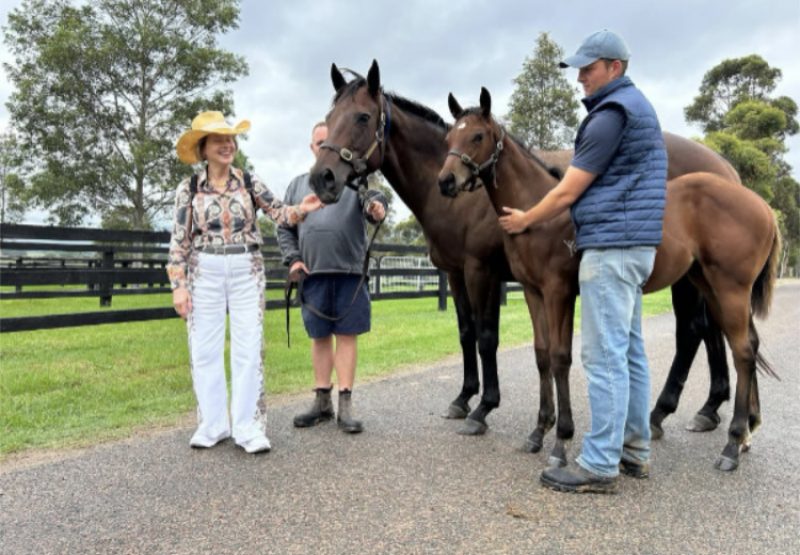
column 331, row 294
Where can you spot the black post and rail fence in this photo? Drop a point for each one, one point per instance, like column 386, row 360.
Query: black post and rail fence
column 43, row 262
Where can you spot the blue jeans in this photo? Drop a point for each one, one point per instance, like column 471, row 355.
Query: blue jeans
column 613, row 357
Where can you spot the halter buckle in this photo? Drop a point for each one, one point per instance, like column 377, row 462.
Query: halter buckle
column 346, row 154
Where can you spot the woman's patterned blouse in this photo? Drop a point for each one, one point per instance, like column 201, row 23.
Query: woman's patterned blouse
column 216, row 219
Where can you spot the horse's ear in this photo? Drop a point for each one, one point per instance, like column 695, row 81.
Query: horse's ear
column 486, row 103
column 455, row 107
column 337, row 78
column 374, row 79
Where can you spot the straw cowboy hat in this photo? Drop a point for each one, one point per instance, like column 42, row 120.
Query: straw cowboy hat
column 206, row 123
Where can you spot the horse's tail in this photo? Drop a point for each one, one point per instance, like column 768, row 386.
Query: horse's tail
column 761, row 297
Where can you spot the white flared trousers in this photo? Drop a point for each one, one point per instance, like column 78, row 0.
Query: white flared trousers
column 232, row 283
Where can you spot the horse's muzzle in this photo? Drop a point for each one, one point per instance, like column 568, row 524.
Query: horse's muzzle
column 447, row 185
column 325, row 186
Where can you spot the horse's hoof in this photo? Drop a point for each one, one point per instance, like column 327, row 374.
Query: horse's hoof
column 726, row 464
column 656, row 431
column 702, row 423
column 533, row 444
column 456, row 412
column 473, row 428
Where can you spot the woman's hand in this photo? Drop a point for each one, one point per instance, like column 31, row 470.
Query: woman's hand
column 310, row 203
column 182, row 301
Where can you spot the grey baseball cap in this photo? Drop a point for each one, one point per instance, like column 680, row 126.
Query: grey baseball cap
column 602, row 44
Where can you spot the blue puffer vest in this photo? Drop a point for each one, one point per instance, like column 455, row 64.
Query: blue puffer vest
column 624, row 206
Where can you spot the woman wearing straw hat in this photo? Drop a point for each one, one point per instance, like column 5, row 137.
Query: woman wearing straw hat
column 215, row 266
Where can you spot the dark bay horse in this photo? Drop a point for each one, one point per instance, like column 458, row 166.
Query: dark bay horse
column 721, row 235
column 465, row 240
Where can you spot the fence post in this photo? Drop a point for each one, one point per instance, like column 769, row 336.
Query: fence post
column 89, row 285
column 18, row 288
column 125, row 264
column 442, row 291
column 107, row 282
column 503, row 293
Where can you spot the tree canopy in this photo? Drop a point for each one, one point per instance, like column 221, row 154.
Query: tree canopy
column 543, row 107
column 12, row 187
column 102, row 91
column 748, row 126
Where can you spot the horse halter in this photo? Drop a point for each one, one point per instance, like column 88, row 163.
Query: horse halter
column 360, row 165
column 478, row 169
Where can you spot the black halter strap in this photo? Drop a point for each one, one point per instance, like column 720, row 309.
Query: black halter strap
column 480, row 170
column 361, row 165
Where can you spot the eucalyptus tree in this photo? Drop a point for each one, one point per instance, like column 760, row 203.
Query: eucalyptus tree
column 102, row 90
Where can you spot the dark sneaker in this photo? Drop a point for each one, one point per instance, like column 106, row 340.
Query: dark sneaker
column 577, row 480
column 634, row 469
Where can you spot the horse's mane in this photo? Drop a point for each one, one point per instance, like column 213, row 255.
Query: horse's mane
column 410, row 106
column 419, row 110
column 431, row 116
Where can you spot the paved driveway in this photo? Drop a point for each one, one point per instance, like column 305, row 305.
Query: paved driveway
column 409, row 484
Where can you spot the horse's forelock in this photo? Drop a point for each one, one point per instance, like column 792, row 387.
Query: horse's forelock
column 350, row 88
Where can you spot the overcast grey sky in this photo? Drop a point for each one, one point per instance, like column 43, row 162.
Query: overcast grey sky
column 427, row 48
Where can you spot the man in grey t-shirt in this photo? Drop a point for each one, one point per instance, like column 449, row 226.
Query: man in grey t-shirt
column 327, row 252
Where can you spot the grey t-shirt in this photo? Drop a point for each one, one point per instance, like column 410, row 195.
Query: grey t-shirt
column 330, row 240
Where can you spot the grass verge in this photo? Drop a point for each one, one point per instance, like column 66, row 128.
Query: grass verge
column 75, row 387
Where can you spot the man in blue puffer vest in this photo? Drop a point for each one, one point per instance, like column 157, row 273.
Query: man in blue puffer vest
column 616, row 189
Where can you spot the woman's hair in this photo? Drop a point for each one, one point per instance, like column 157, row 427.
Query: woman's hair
column 201, row 145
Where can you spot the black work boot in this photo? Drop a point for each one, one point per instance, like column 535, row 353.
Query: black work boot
column 634, row 469
column 321, row 409
column 577, row 480
column 345, row 419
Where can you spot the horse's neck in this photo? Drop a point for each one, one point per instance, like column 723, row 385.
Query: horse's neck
column 520, row 181
column 415, row 152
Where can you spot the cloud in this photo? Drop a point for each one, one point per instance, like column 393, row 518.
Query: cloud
column 427, row 48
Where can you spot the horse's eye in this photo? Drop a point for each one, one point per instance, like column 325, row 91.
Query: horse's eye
column 477, row 138
column 362, row 118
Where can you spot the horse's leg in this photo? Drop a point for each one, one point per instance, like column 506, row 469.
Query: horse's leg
column 692, row 325
column 560, row 309
column 707, row 418
column 546, row 417
column 732, row 304
column 687, row 341
column 483, row 287
column 754, row 420
column 459, row 408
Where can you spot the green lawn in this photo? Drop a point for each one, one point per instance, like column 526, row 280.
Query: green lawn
column 80, row 386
